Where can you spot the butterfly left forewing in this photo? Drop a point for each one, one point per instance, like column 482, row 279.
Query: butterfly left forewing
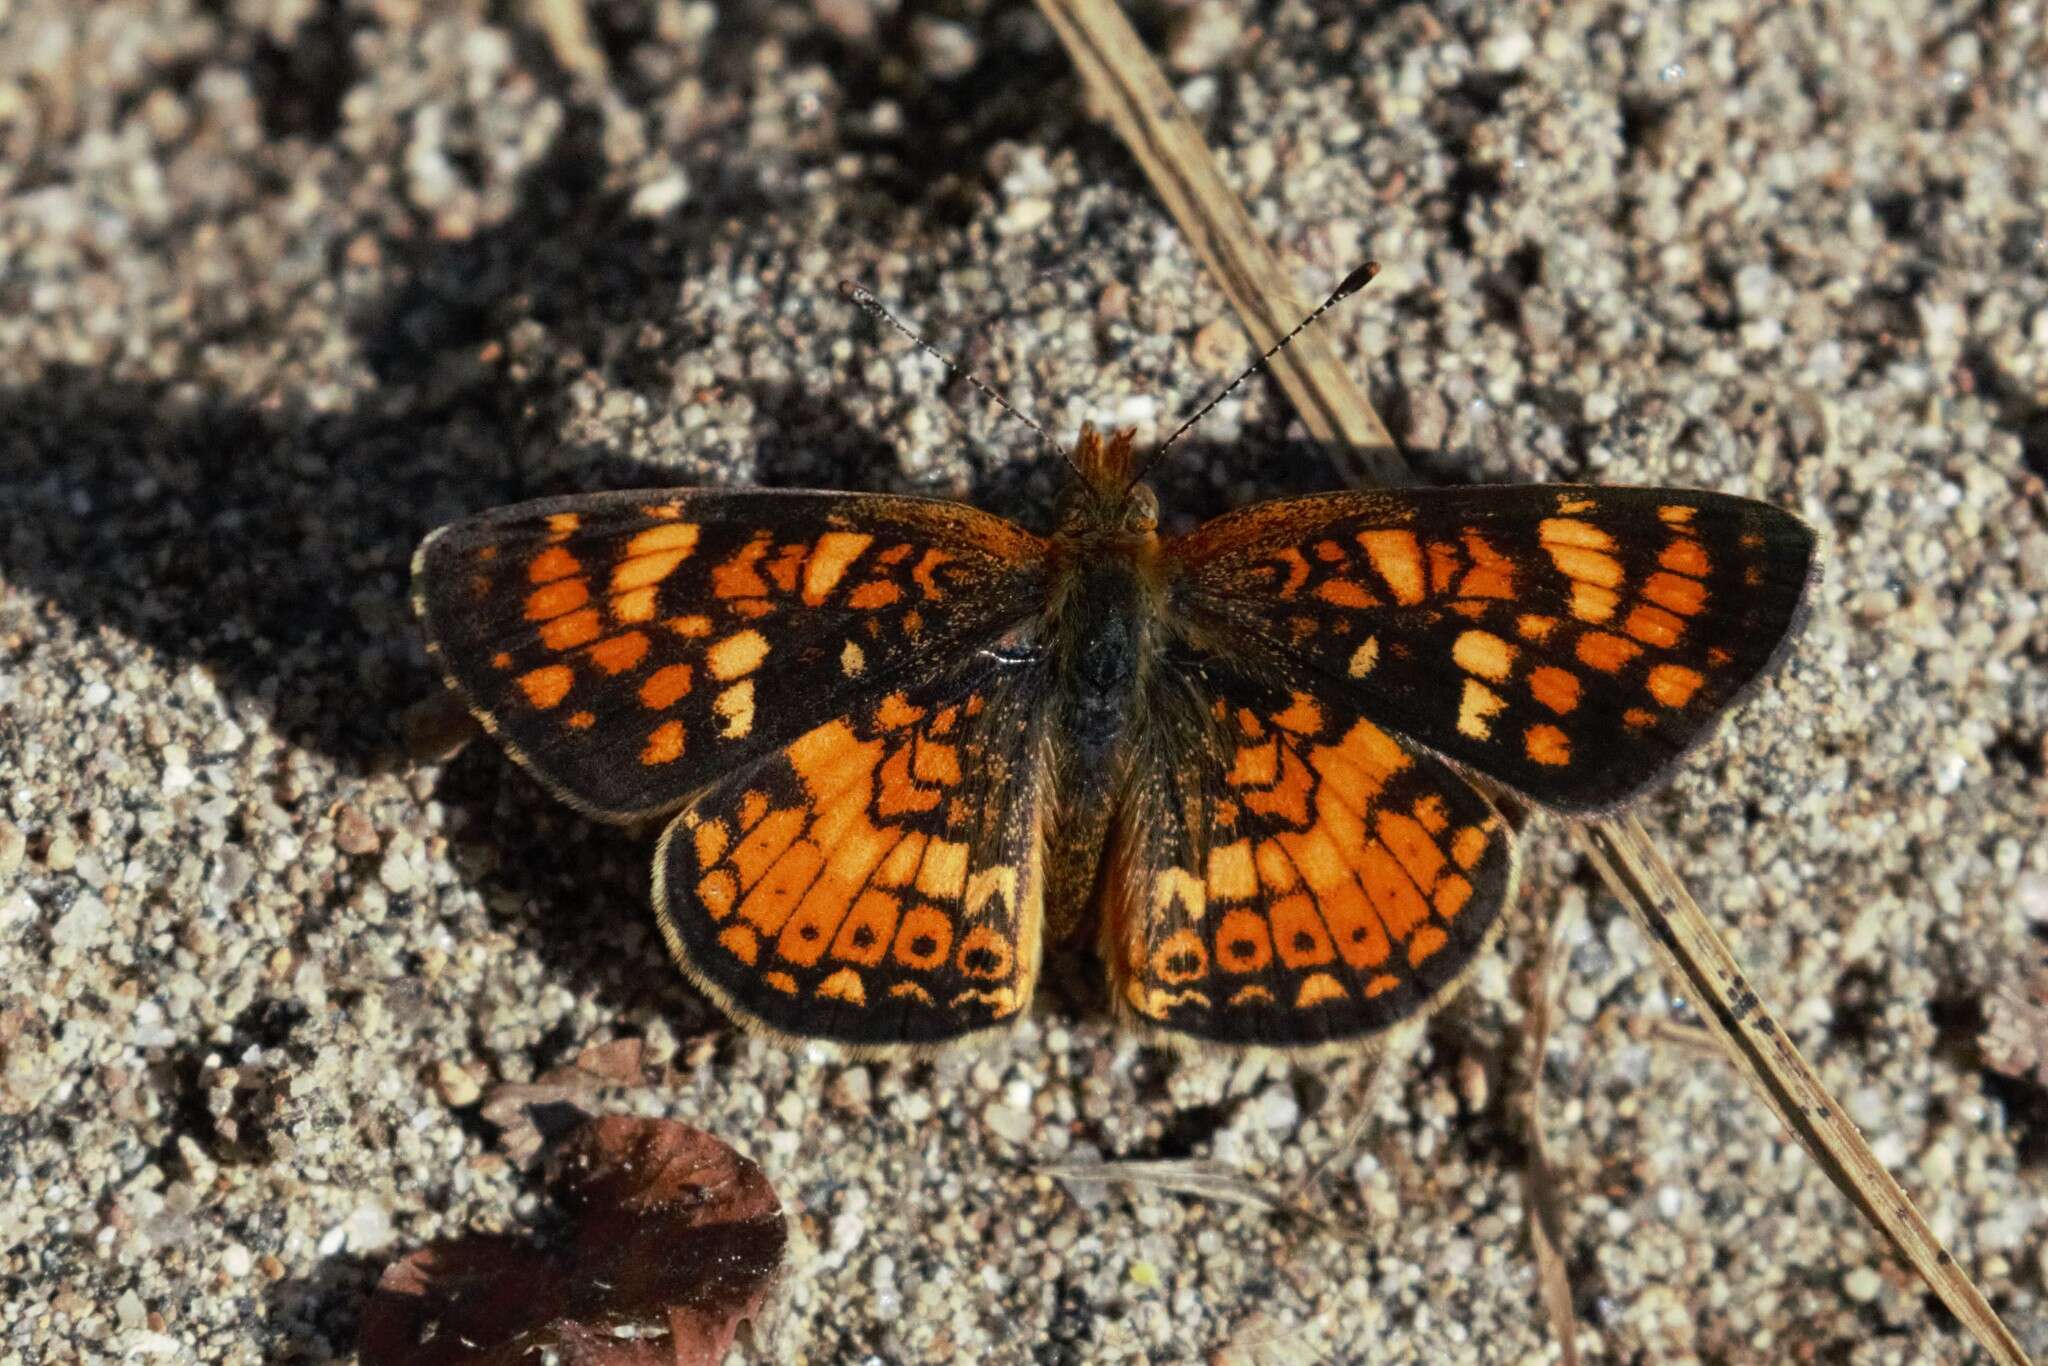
column 1284, row 872
column 629, row 648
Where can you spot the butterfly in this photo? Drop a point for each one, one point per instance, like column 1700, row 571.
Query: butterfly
column 901, row 744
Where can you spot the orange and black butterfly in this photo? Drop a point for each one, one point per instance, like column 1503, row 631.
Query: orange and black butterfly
column 902, row 743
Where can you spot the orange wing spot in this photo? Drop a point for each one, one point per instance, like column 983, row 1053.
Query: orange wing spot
column 911, row 991
column 894, row 555
column 582, row 720
column 943, row 874
column 711, row 837
column 1344, row 593
column 1225, row 814
column 487, row 552
column 942, row 724
column 1485, row 654
column 766, row 843
column 1674, row 514
column 1567, row 503
column 1686, row 556
column 922, row 575
column 737, row 655
column 1180, row 959
column 634, row 605
column 691, row 627
column 1654, row 626
column 753, row 806
column 1176, row 892
column 1298, row 933
column 1397, row 558
column 1467, row 845
column 577, row 628
column 1276, row 870
column 1361, row 939
column 742, row 943
column 781, row 981
column 1546, row 744
column 1577, row 562
column 546, row 686
column 653, row 555
column 1718, row 657
column 1412, row 845
column 1555, row 688
column 1255, row 765
column 934, row 763
column 1302, row 716
column 1247, row 723
column 900, row 793
column 985, row 954
column 1242, row 942
column 924, row 939
column 1364, row 657
column 1682, row 595
column 834, row 551
column 751, row 609
column 1381, row 985
column 1231, row 874
column 1430, row 811
column 1287, row 798
column 774, row 898
column 616, row 654
column 1593, row 603
column 1451, row 895
column 844, row 985
column 1329, row 552
column 662, row 512
column 1443, row 566
column 1469, row 608
column 864, row 936
column 1297, row 570
column 739, row 576
column 853, row 661
column 554, row 599
column 1427, row 941
column 562, row 525
column 1535, row 627
column 1302, row 628
column 1247, row 996
column 1318, row 988
column 501, row 660
column 718, row 891
column 1674, row 684
column 1635, row 718
column 735, row 710
column 1492, row 575
column 1476, row 708
column 665, row 687
column 1609, row 654
column 553, row 563
column 830, row 759
column 1571, row 533
column 895, row 712
column 1753, row 576
column 869, row 596
column 901, row 864
column 1400, row 906
column 1373, row 752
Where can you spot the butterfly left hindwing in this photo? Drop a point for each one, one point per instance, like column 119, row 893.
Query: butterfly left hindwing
column 877, row 880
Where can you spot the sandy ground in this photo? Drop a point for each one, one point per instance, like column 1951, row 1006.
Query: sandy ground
column 285, row 285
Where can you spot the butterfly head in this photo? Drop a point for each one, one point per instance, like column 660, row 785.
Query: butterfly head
column 1104, row 497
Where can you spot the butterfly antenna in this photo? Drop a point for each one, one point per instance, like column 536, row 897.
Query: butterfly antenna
column 1355, row 281
column 869, row 304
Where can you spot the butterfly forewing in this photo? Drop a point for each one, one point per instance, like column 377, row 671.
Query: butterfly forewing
column 1570, row 642
column 876, row 881
column 630, row 648
column 1286, row 873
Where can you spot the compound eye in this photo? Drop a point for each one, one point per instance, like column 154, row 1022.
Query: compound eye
column 1141, row 509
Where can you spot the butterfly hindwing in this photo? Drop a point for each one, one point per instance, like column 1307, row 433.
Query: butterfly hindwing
column 1286, row 873
column 629, row 648
column 1571, row 642
column 877, row 880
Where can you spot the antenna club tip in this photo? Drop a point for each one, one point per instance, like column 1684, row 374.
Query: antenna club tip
column 1356, row 280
